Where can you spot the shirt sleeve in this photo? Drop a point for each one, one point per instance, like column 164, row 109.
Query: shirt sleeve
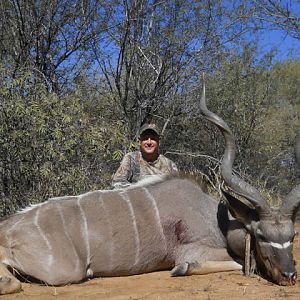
column 122, row 176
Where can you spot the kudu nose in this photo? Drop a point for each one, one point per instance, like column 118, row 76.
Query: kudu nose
column 291, row 276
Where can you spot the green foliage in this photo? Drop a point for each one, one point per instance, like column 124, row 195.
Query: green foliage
column 235, row 91
column 261, row 106
column 51, row 145
column 278, row 128
column 285, row 88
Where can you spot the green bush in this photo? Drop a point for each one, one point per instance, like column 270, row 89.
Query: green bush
column 50, row 145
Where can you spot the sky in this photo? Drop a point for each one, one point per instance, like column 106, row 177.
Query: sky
column 288, row 47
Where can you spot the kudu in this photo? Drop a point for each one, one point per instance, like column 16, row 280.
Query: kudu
column 158, row 224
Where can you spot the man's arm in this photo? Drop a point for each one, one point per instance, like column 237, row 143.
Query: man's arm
column 122, row 176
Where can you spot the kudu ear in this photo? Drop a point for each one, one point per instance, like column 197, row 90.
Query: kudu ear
column 240, row 210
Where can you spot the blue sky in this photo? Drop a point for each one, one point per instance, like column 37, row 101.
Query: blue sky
column 288, row 47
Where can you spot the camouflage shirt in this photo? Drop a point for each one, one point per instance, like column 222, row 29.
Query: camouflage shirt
column 134, row 168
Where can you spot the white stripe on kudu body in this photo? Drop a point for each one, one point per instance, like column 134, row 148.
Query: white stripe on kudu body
column 124, row 196
column 112, row 245
column 157, row 216
column 44, row 237
column 68, row 237
column 85, row 231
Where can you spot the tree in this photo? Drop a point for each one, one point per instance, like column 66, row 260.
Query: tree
column 281, row 15
column 51, row 145
column 154, row 50
column 276, row 135
column 238, row 92
column 50, row 38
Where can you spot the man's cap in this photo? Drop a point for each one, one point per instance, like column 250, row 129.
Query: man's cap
column 149, row 127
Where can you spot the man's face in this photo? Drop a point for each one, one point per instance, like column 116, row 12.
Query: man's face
column 149, row 143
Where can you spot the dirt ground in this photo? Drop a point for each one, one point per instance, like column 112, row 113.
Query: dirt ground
column 159, row 285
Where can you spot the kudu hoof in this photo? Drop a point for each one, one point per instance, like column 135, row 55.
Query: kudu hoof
column 9, row 285
column 180, row 270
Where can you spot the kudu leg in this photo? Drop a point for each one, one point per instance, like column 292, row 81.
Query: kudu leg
column 206, row 267
column 209, row 261
column 8, row 283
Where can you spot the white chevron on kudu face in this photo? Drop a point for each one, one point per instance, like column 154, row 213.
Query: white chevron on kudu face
column 280, row 246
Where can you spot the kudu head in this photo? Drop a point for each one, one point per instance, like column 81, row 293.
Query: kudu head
column 272, row 229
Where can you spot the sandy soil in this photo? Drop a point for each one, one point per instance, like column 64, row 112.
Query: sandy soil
column 159, row 285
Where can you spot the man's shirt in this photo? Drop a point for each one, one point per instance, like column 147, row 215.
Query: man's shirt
column 134, row 167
